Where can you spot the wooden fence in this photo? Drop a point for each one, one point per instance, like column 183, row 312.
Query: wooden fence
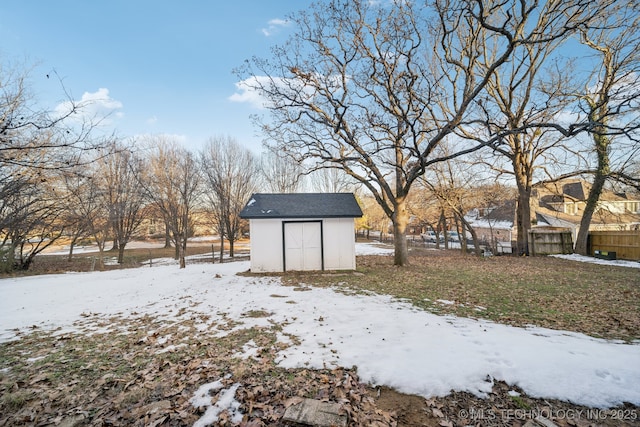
column 549, row 240
column 626, row 244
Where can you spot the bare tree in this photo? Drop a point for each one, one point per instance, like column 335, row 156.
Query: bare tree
column 36, row 145
column 330, row 180
column 125, row 199
column 374, row 90
column 230, row 173
column 280, row 174
column 171, row 180
column 35, row 138
column 611, row 103
column 30, row 214
column 85, row 205
column 77, row 200
column 518, row 95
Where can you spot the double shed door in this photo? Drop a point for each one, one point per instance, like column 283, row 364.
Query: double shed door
column 303, row 245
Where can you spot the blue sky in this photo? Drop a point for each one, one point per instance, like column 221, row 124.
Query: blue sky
column 158, row 67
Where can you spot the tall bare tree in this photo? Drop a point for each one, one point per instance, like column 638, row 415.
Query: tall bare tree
column 78, row 204
column 34, row 137
column 30, row 214
column 171, row 181
column 230, row 175
column 125, row 199
column 86, row 212
column 611, row 103
column 36, row 145
column 374, row 89
column 280, row 174
column 519, row 95
column 451, row 190
column 330, row 180
column 520, row 115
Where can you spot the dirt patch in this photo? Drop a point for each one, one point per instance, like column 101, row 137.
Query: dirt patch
column 505, row 406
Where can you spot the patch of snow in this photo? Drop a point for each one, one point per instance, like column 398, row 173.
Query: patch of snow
column 202, row 397
column 282, row 338
column 582, row 258
column 250, row 349
column 226, row 401
column 489, row 223
column 445, row 301
column 513, row 393
column 163, row 340
column 373, row 249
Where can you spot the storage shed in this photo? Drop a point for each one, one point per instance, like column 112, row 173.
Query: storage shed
column 305, row 231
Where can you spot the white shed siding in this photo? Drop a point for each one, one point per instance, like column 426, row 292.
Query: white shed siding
column 266, row 245
column 267, row 248
column 339, row 244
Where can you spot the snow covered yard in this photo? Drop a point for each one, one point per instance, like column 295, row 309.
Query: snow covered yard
column 391, row 342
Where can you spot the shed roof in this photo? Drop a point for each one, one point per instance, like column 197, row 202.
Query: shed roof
column 301, row 205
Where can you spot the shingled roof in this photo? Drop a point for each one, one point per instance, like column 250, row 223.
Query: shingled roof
column 301, row 205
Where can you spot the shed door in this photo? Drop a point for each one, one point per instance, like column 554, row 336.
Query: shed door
column 302, row 245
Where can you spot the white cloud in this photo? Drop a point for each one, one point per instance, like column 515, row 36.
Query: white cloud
column 250, row 90
column 93, row 106
column 275, row 25
column 246, row 92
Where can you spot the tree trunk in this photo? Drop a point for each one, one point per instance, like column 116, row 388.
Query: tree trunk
column 602, row 144
column 177, row 241
column 167, row 236
column 523, row 216
column 181, row 247
column 25, row 263
column 221, row 247
column 400, row 220
column 101, row 257
column 231, row 232
column 472, row 231
column 442, row 225
column 71, row 245
column 120, row 254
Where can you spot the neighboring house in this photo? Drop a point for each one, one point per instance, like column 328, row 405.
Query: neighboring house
column 305, row 231
column 562, row 204
column 557, row 205
column 495, row 226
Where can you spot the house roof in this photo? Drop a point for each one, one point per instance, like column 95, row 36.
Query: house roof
column 301, row 205
column 600, row 217
column 572, row 191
